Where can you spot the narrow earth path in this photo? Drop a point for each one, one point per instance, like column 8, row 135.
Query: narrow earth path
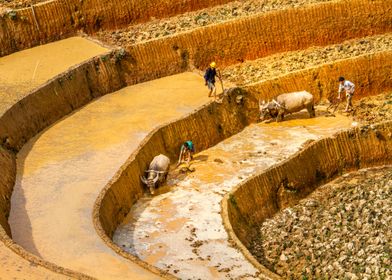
column 62, row 171
column 26, row 70
column 180, row 230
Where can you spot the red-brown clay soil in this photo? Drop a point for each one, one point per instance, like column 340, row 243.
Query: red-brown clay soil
column 373, row 109
column 158, row 28
column 369, row 110
column 283, row 63
column 16, row 4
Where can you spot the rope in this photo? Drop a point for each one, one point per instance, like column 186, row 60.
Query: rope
column 277, row 103
column 159, row 172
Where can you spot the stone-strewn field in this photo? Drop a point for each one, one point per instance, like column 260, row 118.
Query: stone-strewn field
column 373, row 109
column 158, row 28
column 341, row 231
column 283, row 63
column 18, row 3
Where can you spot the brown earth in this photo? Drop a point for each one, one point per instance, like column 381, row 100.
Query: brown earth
column 341, row 231
column 157, row 28
column 231, row 11
column 373, row 109
column 19, row 3
column 283, row 63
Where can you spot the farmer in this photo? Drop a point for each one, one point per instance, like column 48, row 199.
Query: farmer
column 349, row 88
column 186, row 152
column 209, row 78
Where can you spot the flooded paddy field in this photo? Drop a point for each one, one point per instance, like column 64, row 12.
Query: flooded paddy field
column 180, row 229
column 26, row 70
column 61, row 171
column 341, row 231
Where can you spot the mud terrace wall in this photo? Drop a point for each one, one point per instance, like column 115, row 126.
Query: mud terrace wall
column 7, row 180
column 261, row 35
column 228, row 43
column 371, row 73
column 58, row 19
column 283, row 185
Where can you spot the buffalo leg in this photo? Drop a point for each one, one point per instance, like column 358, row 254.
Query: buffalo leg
column 311, row 111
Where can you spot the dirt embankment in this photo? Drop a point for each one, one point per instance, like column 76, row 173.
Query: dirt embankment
column 373, row 109
column 158, row 28
column 283, row 63
column 19, row 3
column 341, row 231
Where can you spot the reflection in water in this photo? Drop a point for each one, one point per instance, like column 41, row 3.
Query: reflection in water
column 180, row 230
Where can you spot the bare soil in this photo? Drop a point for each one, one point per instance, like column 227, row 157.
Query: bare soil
column 19, row 3
column 373, row 109
column 342, row 231
column 283, row 63
column 157, row 28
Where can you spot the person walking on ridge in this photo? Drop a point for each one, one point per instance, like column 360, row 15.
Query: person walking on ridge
column 209, row 78
column 349, row 87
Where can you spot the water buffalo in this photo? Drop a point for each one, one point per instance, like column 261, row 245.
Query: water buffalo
column 156, row 173
column 287, row 103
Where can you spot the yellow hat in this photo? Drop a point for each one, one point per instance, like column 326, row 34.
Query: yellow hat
column 213, row 64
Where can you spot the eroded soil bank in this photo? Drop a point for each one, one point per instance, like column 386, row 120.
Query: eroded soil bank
column 158, row 28
column 180, row 230
column 341, row 231
column 19, row 3
column 283, row 63
column 61, row 172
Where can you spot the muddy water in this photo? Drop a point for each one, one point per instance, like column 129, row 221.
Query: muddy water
column 61, row 172
column 13, row 266
column 180, row 230
column 25, row 70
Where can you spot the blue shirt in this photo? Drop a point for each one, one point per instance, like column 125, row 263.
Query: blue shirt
column 190, row 146
column 210, row 74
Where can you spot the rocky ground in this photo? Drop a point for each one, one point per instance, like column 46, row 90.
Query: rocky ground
column 157, row 28
column 283, row 63
column 341, row 231
column 373, row 109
